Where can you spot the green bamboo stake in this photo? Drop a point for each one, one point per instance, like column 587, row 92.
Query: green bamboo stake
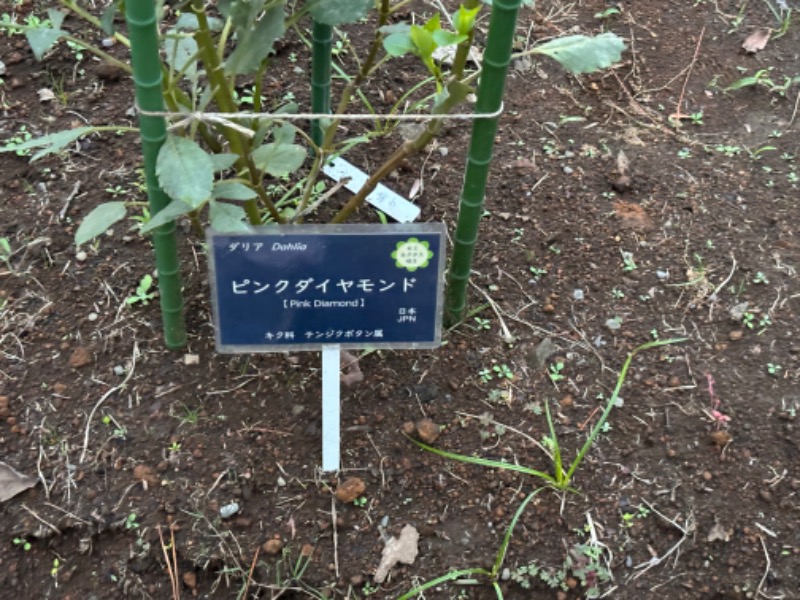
column 141, row 18
column 322, row 42
column 496, row 58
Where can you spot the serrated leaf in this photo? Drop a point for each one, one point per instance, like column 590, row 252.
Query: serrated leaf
column 181, row 54
column 233, row 190
column 255, row 42
column 337, row 12
column 185, row 171
column 223, row 160
column 582, row 54
column 279, row 159
column 227, row 218
column 99, row 220
column 170, row 212
column 50, row 143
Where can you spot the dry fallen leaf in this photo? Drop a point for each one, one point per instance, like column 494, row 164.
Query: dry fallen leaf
column 398, row 550
column 45, row 95
column 718, row 532
column 756, row 41
column 12, row 482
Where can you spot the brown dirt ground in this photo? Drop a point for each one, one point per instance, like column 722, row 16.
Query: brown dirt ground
column 676, row 504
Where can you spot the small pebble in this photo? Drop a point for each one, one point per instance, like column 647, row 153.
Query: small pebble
column 227, row 511
column 578, row 294
column 662, row 274
column 81, row 256
column 119, row 370
column 92, row 316
column 568, row 170
column 613, row 324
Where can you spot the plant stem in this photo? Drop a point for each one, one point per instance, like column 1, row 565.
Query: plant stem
column 224, row 97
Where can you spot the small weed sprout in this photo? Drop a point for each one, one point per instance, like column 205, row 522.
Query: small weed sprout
column 131, row 522
column 760, row 278
column 22, row 543
column 503, row 371
column 361, row 502
column 628, row 264
column 143, row 293
column 555, row 372
column 5, row 252
column 774, row 368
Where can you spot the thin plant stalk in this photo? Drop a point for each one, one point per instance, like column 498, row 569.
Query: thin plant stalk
column 493, row 573
column 147, row 78
column 497, row 57
column 561, row 480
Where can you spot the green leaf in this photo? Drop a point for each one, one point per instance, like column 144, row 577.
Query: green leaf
column 188, row 21
column 279, row 159
column 447, row 38
column 99, row 220
column 434, row 23
column 227, row 218
column 50, row 143
column 582, row 54
column 464, row 19
column 423, row 41
column 185, row 171
column 223, row 160
column 107, row 19
column 233, row 190
column 398, row 39
column 170, row 212
column 42, row 40
column 181, row 53
column 283, row 133
column 255, row 42
column 337, row 12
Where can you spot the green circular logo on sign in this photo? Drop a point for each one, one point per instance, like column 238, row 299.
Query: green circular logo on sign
column 412, row 254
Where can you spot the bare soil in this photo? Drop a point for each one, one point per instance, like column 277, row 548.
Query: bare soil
column 690, row 493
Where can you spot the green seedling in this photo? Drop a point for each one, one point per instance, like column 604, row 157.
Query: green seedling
column 559, row 476
column 174, row 447
column 485, row 375
column 131, row 522
column 696, row 118
column 5, row 252
column 361, row 501
column 684, row 153
column 22, row 543
column 628, row 264
column 55, row 568
column 555, row 372
column 482, row 323
column 774, row 369
column 470, row 576
column 760, row 278
column 143, row 293
column 538, row 273
column 503, row 371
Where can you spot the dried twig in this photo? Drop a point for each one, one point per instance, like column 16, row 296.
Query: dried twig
column 173, row 574
column 678, row 115
column 106, row 397
column 687, row 529
column 250, row 573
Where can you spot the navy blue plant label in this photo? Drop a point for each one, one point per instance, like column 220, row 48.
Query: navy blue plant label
column 304, row 287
